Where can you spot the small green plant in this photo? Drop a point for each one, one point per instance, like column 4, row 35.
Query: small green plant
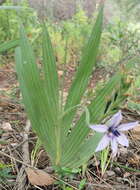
column 34, row 152
column 66, row 142
column 5, row 172
column 82, row 184
column 52, row 122
column 104, row 160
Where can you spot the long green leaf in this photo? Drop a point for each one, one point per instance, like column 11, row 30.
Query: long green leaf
column 34, row 96
column 8, row 45
column 50, row 71
column 84, row 71
column 52, row 87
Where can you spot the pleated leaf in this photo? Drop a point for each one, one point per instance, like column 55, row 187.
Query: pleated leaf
column 35, row 96
column 50, row 71
column 84, row 71
column 52, row 87
column 85, row 151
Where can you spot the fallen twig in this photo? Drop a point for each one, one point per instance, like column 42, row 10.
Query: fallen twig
column 21, row 177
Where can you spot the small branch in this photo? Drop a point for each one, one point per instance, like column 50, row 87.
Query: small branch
column 25, row 148
column 19, row 161
column 21, row 177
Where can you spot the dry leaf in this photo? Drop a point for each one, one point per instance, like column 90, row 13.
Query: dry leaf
column 39, row 177
column 60, row 73
column 134, row 160
column 6, row 126
column 136, row 132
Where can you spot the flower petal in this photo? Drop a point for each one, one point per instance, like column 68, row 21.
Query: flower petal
column 115, row 120
column 103, row 143
column 122, row 139
column 99, row 128
column 127, row 126
column 114, row 146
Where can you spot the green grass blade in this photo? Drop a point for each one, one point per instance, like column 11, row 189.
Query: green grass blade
column 34, row 95
column 81, row 130
column 8, row 45
column 84, row 71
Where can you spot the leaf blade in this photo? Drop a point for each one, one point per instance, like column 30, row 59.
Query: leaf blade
column 50, row 71
column 84, row 71
column 34, row 95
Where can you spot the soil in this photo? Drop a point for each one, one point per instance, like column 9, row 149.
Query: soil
column 122, row 173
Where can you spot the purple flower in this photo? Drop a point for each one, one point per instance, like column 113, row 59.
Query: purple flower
column 113, row 133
